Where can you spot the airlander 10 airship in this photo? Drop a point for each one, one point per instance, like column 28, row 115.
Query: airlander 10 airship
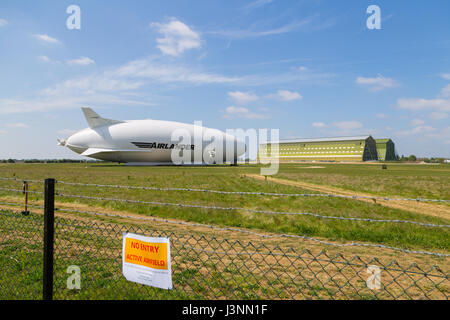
column 153, row 142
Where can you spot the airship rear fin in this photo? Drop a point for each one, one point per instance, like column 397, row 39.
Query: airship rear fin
column 94, row 120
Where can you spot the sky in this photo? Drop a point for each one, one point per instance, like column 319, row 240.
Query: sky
column 308, row 68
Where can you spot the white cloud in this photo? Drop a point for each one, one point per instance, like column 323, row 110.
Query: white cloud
column 252, row 33
column 345, row 126
column 154, row 69
column 256, row 4
column 421, row 129
column 3, row 22
column 160, row 72
column 83, row 61
column 378, row 83
column 416, row 104
column 246, row 97
column 417, row 122
column 445, row 76
column 285, row 95
column 441, row 134
column 233, row 110
column 3, row 132
column 114, row 86
column 44, row 59
column 117, row 85
column 93, row 84
column 17, row 125
column 438, row 115
column 439, row 108
column 319, row 125
column 348, row 125
column 65, row 101
column 46, row 38
column 295, row 75
column 242, row 112
column 178, row 37
column 382, row 115
column 339, row 128
column 243, row 97
column 445, row 92
column 94, row 90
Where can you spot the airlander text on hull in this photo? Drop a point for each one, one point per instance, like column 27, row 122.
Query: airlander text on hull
column 152, row 142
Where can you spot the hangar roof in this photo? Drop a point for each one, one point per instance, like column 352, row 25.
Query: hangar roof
column 353, row 138
column 383, row 140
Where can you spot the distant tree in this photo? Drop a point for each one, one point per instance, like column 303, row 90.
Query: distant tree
column 412, row 158
column 11, row 161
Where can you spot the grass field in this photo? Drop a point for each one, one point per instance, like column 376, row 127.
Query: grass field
column 203, row 266
column 403, row 180
column 297, row 268
column 398, row 180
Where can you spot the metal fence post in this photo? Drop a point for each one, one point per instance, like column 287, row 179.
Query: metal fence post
column 49, row 230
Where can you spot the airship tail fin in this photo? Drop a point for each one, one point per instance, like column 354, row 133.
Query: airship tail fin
column 94, row 120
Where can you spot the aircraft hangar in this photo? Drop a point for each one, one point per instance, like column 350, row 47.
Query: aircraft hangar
column 354, row 148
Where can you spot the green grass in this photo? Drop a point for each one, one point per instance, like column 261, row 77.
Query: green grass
column 230, row 179
column 96, row 249
column 197, row 274
column 402, row 180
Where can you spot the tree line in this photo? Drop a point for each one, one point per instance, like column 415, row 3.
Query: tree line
column 48, row 161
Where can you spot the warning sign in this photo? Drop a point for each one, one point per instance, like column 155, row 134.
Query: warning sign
column 146, row 260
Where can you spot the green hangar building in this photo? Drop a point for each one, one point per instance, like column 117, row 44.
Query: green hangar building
column 358, row 148
column 386, row 150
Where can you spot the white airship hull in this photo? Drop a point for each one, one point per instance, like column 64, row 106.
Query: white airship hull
column 151, row 142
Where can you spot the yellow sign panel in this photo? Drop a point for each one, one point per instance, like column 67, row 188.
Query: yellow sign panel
column 147, row 254
column 146, row 260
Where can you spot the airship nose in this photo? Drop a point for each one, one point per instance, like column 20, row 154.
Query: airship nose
column 78, row 142
column 74, row 140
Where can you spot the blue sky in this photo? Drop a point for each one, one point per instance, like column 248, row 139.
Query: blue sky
column 309, row 68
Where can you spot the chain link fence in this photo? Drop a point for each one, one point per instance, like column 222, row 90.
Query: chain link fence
column 203, row 266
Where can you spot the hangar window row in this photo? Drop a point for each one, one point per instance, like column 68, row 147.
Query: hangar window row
column 327, row 148
column 321, row 152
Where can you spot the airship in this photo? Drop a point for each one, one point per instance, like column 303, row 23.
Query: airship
column 153, row 142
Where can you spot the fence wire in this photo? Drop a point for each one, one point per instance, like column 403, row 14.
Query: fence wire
column 203, row 267
column 326, row 195
column 278, row 235
column 197, row 206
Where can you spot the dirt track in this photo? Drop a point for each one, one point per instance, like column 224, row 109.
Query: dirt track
column 177, row 226
column 341, row 272
column 430, row 209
